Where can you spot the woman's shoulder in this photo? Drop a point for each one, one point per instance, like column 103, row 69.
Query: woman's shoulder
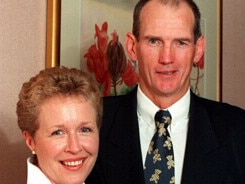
column 34, row 174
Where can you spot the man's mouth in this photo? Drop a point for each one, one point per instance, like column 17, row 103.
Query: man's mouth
column 167, row 72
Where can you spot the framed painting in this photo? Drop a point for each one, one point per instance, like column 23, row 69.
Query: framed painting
column 206, row 80
column 82, row 22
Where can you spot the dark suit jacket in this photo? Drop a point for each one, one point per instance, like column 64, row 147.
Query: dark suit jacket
column 215, row 150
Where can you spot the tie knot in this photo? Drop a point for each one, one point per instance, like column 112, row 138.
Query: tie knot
column 163, row 116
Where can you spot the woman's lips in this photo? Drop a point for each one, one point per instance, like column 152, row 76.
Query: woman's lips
column 72, row 163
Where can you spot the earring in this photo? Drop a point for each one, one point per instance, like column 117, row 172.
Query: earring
column 33, row 152
column 195, row 64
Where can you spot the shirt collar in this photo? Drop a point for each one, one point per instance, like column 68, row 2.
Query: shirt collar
column 147, row 109
column 35, row 175
column 180, row 109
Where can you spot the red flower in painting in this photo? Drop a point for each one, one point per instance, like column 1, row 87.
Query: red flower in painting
column 96, row 63
column 108, row 61
column 97, row 59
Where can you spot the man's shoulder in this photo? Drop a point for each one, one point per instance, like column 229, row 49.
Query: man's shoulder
column 222, row 115
column 216, row 106
column 226, row 120
column 119, row 111
column 110, row 101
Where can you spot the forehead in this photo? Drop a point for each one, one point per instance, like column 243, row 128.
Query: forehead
column 63, row 105
column 67, row 112
column 156, row 14
column 63, row 98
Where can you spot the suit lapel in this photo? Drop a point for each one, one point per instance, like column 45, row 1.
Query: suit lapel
column 127, row 123
column 203, row 155
column 124, row 136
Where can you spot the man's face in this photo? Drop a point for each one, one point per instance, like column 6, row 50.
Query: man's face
column 166, row 50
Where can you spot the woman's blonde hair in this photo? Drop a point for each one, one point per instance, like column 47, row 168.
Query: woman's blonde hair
column 53, row 82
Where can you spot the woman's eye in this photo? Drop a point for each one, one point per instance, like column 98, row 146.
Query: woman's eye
column 86, row 129
column 57, row 132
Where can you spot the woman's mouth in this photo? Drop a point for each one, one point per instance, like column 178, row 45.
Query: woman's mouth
column 72, row 163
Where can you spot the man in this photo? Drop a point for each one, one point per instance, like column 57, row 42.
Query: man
column 208, row 137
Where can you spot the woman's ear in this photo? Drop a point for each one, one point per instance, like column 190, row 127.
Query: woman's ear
column 29, row 140
column 200, row 48
column 131, row 46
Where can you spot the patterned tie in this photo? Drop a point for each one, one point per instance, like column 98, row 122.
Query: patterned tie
column 159, row 163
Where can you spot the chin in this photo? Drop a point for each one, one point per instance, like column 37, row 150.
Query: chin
column 75, row 179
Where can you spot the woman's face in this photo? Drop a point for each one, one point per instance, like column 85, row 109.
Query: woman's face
column 66, row 143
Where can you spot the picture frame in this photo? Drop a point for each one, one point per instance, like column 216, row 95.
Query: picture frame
column 77, row 27
column 211, row 12
column 53, row 33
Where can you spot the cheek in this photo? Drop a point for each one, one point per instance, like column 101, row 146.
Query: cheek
column 144, row 53
column 50, row 148
column 186, row 60
column 91, row 144
column 146, row 62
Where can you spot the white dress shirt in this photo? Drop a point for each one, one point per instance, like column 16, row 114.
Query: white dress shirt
column 35, row 175
column 179, row 111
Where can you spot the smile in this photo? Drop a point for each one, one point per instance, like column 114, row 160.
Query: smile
column 72, row 163
column 167, row 72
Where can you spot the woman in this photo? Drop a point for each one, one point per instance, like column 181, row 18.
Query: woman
column 59, row 112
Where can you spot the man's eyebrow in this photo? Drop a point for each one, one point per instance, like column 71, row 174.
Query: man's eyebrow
column 184, row 39
column 151, row 37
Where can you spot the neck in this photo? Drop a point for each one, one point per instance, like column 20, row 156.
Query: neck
column 164, row 101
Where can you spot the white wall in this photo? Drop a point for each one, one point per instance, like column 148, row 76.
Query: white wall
column 234, row 52
column 22, row 54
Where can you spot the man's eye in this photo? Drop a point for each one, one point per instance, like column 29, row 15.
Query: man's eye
column 154, row 41
column 180, row 42
column 57, row 132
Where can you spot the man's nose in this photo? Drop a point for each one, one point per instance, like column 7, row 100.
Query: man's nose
column 166, row 54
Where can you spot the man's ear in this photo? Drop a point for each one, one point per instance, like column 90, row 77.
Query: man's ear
column 131, row 46
column 200, row 48
column 29, row 140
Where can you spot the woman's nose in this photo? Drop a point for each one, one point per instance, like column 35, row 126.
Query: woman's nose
column 73, row 145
